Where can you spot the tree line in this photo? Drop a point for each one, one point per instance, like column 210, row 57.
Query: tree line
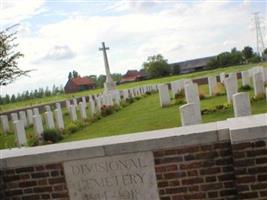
column 33, row 94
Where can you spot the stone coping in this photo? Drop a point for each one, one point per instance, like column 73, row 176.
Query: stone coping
column 240, row 129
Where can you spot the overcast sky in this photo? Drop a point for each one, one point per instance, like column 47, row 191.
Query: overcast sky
column 58, row 36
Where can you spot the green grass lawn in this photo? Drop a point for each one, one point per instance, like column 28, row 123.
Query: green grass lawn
column 13, row 106
column 142, row 115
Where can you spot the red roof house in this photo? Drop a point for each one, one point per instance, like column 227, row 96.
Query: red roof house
column 79, row 84
column 132, row 75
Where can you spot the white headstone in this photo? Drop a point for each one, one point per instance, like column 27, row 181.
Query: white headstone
column 212, row 81
column 245, row 78
column 47, row 108
column 117, row 97
column 73, row 114
column 38, row 126
column 59, row 119
column 98, row 104
column 190, row 114
column 192, row 93
column 5, row 124
column 241, row 103
column 83, row 110
column 49, row 120
column 92, row 107
column 29, row 116
column 175, row 87
column 258, row 84
column 68, row 104
column 231, row 87
column 187, row 81
column 22, row 116
column 36, row 111
column 20, row 133
column 84, row 100
column 125, row 94
column 164, row 96
column 222, row 77
column 14, row 117
column 75, row 103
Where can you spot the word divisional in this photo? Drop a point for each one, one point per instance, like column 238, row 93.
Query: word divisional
column 122, row 177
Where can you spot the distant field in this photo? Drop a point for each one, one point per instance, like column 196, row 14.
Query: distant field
column 36, row 101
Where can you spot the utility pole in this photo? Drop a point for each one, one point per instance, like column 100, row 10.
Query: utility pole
column 259, row 35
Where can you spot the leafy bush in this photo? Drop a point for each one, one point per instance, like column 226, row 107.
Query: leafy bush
column 245, row 88
column 74, row 127
column 179, row 102
column 137, row 98
column 148, row 93
column 257, row 98
column 130, row 100
column 202, row 96
column 217, row 108
column 52, row 135
column 32, row 141
column 180, row 94
column 106, row 110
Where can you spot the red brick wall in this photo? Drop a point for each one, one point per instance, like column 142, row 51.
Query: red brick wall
column 250, row 166
column 33, row 183
column 217, row 171
column 196, row 172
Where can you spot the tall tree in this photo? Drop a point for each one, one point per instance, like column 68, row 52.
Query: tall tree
column 9, row 70
column 247, row 52
column 157, row 66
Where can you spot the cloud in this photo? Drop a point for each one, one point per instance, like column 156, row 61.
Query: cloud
column 59, row 52
column 13, row 11
column 133, row 31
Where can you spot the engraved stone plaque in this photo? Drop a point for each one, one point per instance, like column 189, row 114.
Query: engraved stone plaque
column 122, row 177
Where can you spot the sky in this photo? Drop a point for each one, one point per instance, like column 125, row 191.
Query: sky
column 58, row 36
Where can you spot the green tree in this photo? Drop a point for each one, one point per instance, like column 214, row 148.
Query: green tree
column 157, row 66
column 247, row 52
column 9, row 70
column 116, row 77
column 265, row 51
column 70, row 76
column 75, row 74
column 101, row 80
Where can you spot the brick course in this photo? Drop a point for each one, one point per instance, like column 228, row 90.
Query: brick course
column 216, row 171
column 34, row 182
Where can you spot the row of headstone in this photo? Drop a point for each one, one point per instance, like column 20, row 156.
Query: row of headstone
column 54, row 119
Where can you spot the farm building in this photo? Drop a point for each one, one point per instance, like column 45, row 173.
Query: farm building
column 79, row 84
column 192, row 65
column 133, row 75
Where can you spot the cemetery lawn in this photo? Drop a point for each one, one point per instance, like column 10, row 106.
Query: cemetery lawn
column 142, row 115
column 146, row 115
column 45, row 100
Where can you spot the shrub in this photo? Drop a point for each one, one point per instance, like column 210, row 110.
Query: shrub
column 219, row 89
column 52, row 135
column 33, row 141
column 257, row 98
column 202, row 96
column 137, row 98
column 179, row 102
column 74, row 127
column 180, row 94
column 106, row 110
column 245, row 88
column 148, row 93
column 217, row 108
column 130, row 100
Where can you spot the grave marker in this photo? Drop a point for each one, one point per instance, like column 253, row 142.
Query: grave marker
column 5, row 124
column 164, row 95
column 190, row 114
column 241, row 103
column 20, row 133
